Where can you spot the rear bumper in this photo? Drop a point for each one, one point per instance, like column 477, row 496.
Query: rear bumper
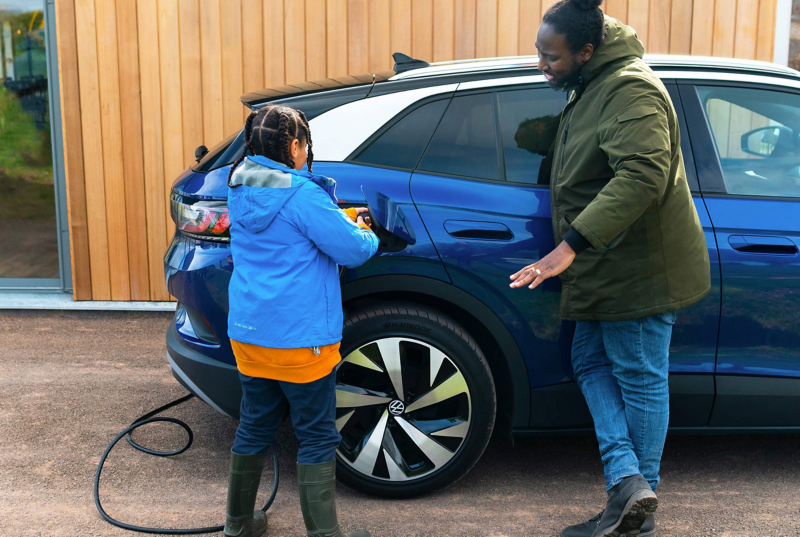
column 217, row 383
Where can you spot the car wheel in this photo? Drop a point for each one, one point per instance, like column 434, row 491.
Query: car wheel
column 415, row 401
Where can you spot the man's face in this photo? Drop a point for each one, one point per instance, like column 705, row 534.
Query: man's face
column 559, row 65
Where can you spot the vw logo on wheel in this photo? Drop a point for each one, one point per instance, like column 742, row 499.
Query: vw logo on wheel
column 397, row 407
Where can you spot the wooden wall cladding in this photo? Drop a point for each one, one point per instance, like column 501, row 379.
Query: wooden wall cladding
column 144, row 82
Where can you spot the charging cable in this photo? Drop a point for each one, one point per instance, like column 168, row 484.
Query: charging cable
column 150, row 417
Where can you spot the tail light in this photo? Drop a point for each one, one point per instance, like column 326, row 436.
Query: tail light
column 201, row 219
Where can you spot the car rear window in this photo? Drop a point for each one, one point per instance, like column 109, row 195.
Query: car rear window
column 222, row 154
column 402, row 144
column 465, row 143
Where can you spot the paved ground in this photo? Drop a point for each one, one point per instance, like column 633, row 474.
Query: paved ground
column 70, row 381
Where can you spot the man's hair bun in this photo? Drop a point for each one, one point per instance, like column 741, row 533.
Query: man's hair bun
column 587, row 5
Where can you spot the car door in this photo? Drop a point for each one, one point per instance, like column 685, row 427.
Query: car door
column 482, row 190
column 751, row 186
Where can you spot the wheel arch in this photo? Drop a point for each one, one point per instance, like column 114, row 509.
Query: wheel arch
column 498, row 345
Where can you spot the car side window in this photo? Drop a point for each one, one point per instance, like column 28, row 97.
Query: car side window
column 757, row 136
column 402, row 144
column 465, row 143
column 529, row 121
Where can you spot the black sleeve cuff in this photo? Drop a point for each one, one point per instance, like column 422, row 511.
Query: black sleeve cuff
column 576, row 241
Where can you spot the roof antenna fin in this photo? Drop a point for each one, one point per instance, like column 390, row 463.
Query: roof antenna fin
column 403, row 63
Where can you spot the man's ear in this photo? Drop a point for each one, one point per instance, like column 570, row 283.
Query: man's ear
column 586, row 52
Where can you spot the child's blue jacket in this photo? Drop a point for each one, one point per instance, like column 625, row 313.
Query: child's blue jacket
column 287, row 237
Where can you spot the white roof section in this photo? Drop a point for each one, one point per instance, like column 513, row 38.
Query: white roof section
column 654, row 60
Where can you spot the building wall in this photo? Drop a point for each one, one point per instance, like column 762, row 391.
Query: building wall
column 144, row 82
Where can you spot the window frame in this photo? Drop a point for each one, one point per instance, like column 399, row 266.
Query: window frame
column 710, row 174
column 352, row 157
column 494, row 91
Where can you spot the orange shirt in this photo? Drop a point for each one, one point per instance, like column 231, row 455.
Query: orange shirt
column 289, row 365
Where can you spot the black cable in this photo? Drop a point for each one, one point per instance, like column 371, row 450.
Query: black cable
column 144, row 420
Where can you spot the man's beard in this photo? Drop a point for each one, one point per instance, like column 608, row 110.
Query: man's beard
column 565, row 82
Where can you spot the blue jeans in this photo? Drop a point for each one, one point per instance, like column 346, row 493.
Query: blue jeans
column 622, row 368
column 312, row 406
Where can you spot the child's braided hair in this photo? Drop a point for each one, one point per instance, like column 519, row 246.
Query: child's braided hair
column 270, row 130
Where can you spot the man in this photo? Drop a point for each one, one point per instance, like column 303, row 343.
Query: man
column 630, row 247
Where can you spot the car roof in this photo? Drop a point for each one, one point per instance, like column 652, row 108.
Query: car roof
column 656, row 61
column 357, row 87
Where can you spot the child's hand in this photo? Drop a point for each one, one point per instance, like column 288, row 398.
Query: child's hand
column 363, row 220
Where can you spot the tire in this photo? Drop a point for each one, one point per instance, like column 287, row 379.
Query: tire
column 432, row 434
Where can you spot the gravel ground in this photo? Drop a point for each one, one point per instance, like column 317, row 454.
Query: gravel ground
column 70, row 381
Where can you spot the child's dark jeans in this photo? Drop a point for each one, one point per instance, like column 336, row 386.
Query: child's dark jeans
column 313, row 409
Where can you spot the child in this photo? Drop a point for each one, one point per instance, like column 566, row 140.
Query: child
column 285, row 318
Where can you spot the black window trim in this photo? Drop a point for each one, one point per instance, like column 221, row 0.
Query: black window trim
column 712, row 183
column 494, row 91
column 352, row 157
column 692, row 176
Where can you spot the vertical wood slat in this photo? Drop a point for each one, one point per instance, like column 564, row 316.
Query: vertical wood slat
column 530, row 17
column 69, row 87
column 401, row 26
column 111, row 131
column 357, row 36
column 660, row 14
column 680, row 40
column 508, row 28
column 422, row 29
column 617, row 9
column 465, row 29
column 153, row 149
column 766, row 30
column 380, row 43
column 232, row 64
column 171, row 106
column 253, row 47
column 211, row 58
column 486, row 29
column 444, row 37
column 295, row 39
column 746, row 29
column 131, row 115
column 316, row 40
column 724, row 28
column 191, row 79
column 703, row 27
column 639, row 19
column 274, row 47
column 336, row 45
column 92, row 149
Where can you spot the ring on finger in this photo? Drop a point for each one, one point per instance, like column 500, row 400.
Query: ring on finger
column 538, row 272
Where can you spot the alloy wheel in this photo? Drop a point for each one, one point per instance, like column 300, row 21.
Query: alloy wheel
column 403, row 409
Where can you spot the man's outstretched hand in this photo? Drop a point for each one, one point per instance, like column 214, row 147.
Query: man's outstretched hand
column 550, row 265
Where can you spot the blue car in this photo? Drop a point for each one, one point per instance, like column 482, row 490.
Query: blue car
column 438, row 351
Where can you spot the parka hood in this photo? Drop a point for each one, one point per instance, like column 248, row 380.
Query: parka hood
column 621, row 42
column 268, row 185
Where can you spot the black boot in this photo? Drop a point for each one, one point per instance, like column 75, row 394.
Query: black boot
column 241, row 518
column 318, row 500
column 587, row 528
column 630, row 504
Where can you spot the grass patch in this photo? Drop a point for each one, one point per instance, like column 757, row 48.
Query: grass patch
column 26, row 164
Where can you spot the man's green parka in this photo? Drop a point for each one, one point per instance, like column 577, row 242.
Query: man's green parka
column 618, row 179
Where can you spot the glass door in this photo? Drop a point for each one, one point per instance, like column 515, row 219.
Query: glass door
column 29, row 242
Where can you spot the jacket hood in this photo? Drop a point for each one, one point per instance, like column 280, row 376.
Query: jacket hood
column 621, row 42
column 269, row 185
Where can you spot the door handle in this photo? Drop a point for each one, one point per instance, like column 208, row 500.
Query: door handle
column 487, row 231
column 759, row 244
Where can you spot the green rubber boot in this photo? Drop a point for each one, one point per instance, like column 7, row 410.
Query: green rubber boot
column 318, row 500
column 241, row 518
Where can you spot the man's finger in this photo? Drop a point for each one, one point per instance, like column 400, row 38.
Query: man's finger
column 524, row 279
column 540, row 277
